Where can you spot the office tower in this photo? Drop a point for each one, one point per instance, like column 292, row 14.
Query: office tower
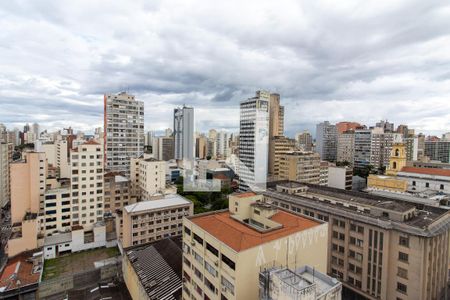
column 380, row 247
column 412, row 148
column 149, row 138
column 381, row 146
column 26, row 128
column 342, row 127
column 87, row 165
column 6, row 150
column 300, row 166
column 163, row 148
column 326, row 141
column 253, row 141
column 363, row 138
column 438, row 150
column 387, row 127
column 225, row 251
column 304, row 141
column 153, row 220
column 27, row 201
column 222, row 147
column 123, row 130
column 183, row 132
column 346, row 147
column 201, row 147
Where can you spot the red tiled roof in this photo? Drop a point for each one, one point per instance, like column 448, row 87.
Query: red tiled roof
column 91, row 142
column 245, row 195
column 427, row 171
column 241, row 237
column 10, row 279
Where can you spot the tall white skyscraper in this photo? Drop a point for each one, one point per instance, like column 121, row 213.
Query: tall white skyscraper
column 326, row 141
column 254, row 142
column 124, row 131
column 183, row 132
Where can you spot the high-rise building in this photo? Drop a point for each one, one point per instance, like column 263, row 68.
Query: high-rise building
column 381, row 146
column 276, row 132
column 279, row 146
column 346, row 147
column 222, row 147
column 387, row 127
column 304, row 141
column 326, row 141
column 300, row 166
column 379, row 246
column 183, row 132
column 224, row 252
column 36, row 130
column 412, row 148
column 118, row 192
column 87, row 169
column 6, row 150
column 254, row 141
column 163, row 148
column 403, row 130
column 123, row 130
column 438, row 150
column 201, row 147
column 57, row 156
column 362, row 150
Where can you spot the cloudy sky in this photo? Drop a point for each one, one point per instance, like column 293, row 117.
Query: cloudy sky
column 330, row 60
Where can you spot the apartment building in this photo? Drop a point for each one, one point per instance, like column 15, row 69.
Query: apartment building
column 6, row 150
column 378, row 247
column 57, row 155
column 123, row 131
column 347, row 126
column 57, row 211
column 346, row 147
column 300, row 166
column 304, row 141
column 326, row 141
column 324, row 167
column 27, row 201
column 340, row 177
column 87, row 171
column 118, row 192
column 381, row 146
column 163, row 148
column 254, row 141
column 224, row 251
column 153, row 220
column 279, row 146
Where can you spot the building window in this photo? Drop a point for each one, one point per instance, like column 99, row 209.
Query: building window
column 403, row 257
column 427, row 185
column 212, row 249
column 210, row 269
column 228, row 262
column 402, row 288
column 403, row 241
column 198, row 239
column 403, row 273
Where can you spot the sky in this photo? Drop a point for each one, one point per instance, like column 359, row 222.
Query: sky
column 346, row 60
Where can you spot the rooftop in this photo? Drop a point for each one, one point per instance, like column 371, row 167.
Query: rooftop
column 240, row 237
column 58, row 239
column 168, row 201
column 158, row 266
column 22, row 270
column 426, row 171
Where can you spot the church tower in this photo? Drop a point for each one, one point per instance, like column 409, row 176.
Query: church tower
column 397, row 160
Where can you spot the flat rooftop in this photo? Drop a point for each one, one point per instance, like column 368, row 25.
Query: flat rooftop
column 240, row 236
column 315, row 196
column 167, row 201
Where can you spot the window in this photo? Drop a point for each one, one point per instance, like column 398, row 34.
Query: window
column 441, row 187
column 403, row 273
column 228, row 262
column 402, row 287
column 404, row 241
column 414, row 183
column 198, row 239
column 427, row 185
column 198, row 257
column 212, row 249
column 228, row 285
column 403, row 257
column 210, row 269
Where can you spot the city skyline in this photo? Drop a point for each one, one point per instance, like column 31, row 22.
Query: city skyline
column 357, row 63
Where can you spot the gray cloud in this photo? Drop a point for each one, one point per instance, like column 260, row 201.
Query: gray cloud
column 351, row 60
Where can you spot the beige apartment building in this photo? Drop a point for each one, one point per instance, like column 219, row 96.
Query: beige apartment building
column 279, row 146
column 57, row 211
column 300, row 166
column 153, row 220
column 379, row 247
column 27, row 201
column 5, row 161
column 224, row 251
column 58, row 156
column 118, row 193
column 87, row 184
column 148, row 177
